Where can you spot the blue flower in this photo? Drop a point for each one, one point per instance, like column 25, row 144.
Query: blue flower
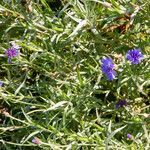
column 134, row 56
column 129, row 136
column 121, row 103
column 11, row 52
column 1, row 83
column 108, row 68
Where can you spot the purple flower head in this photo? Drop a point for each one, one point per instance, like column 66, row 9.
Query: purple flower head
column 121, row 103
column 134, row 56
column 12, row 52
column 129, row 136
column 108, row 68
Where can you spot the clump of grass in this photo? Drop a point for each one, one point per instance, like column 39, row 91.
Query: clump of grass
column 75, row 76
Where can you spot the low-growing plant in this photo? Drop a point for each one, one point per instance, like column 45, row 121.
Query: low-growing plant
column 74, row 75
